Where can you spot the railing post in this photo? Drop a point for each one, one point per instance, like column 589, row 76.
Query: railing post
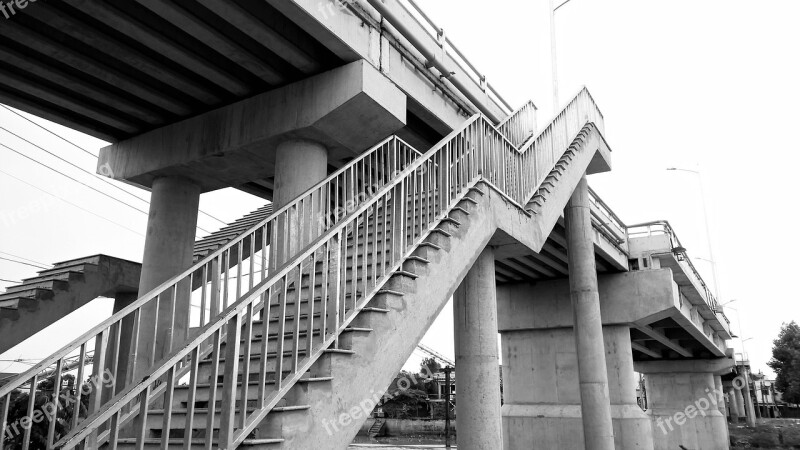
column 229, row 383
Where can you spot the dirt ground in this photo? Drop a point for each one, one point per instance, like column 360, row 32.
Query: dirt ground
column 768, row 434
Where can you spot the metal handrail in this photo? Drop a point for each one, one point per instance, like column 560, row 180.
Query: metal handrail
column 664, row 227
column 394, row 220
column 329, row 201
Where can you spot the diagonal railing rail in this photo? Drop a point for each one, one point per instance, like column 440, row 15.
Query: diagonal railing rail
column 338, row 272
column 212, row 284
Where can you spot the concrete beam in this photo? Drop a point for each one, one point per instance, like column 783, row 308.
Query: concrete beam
column 347, row 110
column 663, row 339
column 643, row 349
column 717, row 366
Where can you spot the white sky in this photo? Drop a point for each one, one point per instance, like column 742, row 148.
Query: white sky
column 705, row 83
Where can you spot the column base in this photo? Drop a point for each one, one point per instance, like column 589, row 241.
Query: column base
column 709, row 432
column 561, row 426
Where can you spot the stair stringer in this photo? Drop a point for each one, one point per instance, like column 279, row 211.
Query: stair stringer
column 111, row 276
column 339, row 408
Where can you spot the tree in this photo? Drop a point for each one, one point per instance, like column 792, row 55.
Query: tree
column 429, row 366
column 786, row 362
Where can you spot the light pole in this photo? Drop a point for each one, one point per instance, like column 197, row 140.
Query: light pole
column 708, row 229
column 553, row 51
column 748, row 400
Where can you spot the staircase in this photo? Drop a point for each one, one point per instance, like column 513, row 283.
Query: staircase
column 282, row 354
column 40, row 301
column 376, row 429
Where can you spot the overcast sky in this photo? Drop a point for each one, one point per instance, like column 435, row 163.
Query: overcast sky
column 696, row 84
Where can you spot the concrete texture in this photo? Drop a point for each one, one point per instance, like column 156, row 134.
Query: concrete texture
column 475, row 324
column 167, row 252
column 542, row 407
column 346, row 109
column 592, row 375
column 683, row 405
column 300, row 164
column 99, row 276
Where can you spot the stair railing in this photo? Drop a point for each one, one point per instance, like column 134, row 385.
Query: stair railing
column 344, row 267
column 520, row 126
column 210, row 285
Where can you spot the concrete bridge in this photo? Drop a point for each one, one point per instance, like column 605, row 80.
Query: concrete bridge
column 398, row 178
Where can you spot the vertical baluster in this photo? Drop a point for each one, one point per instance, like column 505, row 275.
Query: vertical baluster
column 6, row 401
column 169, row 393
column 51, row 429
column 252, row 259
column 354, row 263
column 113, row 431
column 311, row 301
column 374, row 243
column 141, row 433
column 78, row 386
column 229, row 379
column 194, row 370
column 155, row 332
column 298, row 301
column 323, row 322
column 340, row 241
column 173, row 293
column 226, row 262
column 264, row 232
column 189, row 309
column 262, row 372
column 281, row 330
column 203, row 296
column 215, row 287
column 26, row 436
column 212, row 388
column 247, row 338
column 98, row 361
column 239, row 248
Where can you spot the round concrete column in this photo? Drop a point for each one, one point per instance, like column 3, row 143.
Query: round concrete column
column 477, row 362
column 734, row 408
column 740, row 406
column 720, row 391
column 299, row 165
column 598, row 429
column 168, row 248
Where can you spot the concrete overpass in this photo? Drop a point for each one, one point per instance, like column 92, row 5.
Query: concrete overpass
column 364, row 114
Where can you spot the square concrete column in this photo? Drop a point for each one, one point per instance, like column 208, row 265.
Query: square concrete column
column 477, row 361
column 168, row 248
column 542, row 408
column 598, row 429
column 683, row 400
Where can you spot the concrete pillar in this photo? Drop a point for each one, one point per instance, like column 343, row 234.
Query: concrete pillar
column 168, row 250
column 542, row 408
column 598, row 429
column 477, row 362
column 721, row 404
column 740, row 404
column 748, row 400
column 299, row 165
column 734, row 407
column 683, row 403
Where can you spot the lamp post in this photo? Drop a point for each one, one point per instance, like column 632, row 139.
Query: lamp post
column 708, row 230
column 751, row 412
column 553, row 51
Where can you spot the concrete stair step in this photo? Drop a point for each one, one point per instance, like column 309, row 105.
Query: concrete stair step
column 48, row 285
column 66, row 276
column 178, row 443
column 155, row 418
column 31, row 293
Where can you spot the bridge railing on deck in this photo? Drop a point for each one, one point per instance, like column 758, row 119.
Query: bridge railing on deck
column 662, row 227
column 381, row 232
column 611, row 226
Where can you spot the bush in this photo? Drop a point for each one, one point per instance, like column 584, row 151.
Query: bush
column 765, row 439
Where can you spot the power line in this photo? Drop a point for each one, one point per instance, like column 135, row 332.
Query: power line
column 23, row 263
column 25, row 259
column 9, row 281
column 85, row 151
column 73, row 204
column 84, row 184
